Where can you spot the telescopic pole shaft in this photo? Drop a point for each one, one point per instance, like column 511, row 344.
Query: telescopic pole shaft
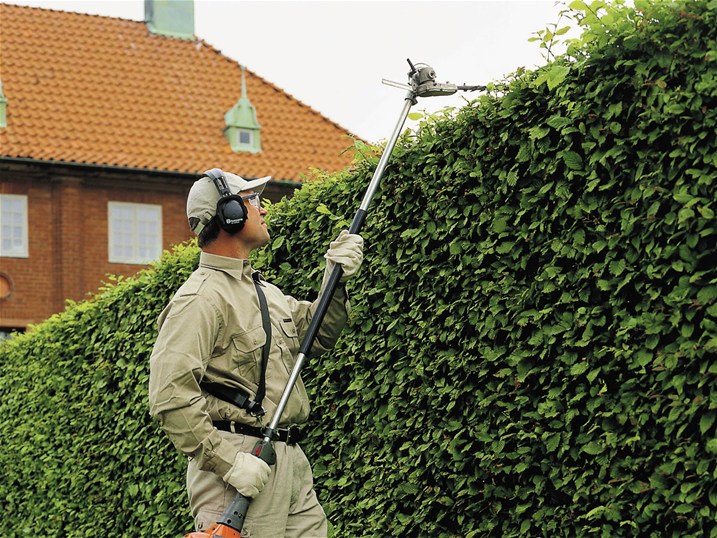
column 378, row 173
column 335, row 276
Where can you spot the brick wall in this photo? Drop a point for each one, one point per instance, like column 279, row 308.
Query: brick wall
column 68, row 231
column 68, row 237
column 31, row 278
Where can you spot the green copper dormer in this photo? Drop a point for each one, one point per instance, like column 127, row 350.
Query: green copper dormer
column 3, row 108
column 242, row 128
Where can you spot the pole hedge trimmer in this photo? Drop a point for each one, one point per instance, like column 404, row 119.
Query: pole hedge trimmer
column 421, row 83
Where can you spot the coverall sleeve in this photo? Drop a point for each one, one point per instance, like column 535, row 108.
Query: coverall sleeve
column 188, row 331
column 334, row 320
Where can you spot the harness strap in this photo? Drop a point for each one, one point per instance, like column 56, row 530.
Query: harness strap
column 234, row 395
column 266, row 322
column 239, row 396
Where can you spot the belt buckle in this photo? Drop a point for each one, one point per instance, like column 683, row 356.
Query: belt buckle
column 293, row 434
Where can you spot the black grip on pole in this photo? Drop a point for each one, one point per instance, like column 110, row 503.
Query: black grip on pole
column 328, row 294
column 235, row 513
column 358, row 221
column 321, row 308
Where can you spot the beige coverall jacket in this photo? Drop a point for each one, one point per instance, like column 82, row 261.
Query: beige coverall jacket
column 212, row 330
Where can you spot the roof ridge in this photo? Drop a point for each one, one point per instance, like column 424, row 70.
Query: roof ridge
column 300, row 102
column 165, row 110
column 56, row 10
column 275, row 86
column 206, row 43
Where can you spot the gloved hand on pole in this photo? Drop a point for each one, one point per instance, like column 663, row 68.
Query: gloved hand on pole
column 347, row 251
column 248, row 475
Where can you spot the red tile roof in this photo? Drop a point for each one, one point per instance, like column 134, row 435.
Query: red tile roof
column 105, row 91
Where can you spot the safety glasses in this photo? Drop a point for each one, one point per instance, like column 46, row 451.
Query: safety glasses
column 253, row 199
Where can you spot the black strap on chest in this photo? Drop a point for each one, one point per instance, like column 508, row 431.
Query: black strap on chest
column 266, row 322
column 236, row 395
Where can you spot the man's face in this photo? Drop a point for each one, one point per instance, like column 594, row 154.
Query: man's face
column 254, row 233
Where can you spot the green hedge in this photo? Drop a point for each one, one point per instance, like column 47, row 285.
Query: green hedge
column 532, row 345
column 80, row 455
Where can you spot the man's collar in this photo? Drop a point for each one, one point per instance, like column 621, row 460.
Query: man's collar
column 234, row 267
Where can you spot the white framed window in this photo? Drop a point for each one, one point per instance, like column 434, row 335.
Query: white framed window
column 13, row 226
column 135, row 232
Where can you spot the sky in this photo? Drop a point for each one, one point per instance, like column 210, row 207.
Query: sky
column 334, row 55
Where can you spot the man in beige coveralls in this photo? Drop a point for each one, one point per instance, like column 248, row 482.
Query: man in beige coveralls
column 212, row 332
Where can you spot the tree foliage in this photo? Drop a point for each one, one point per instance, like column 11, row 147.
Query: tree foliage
column 532, row 344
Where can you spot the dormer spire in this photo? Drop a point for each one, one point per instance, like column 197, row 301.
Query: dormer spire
column 242, row 129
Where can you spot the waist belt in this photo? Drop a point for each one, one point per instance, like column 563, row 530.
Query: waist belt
column 290, row 436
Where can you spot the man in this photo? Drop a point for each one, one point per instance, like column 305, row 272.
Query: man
column 215, row 340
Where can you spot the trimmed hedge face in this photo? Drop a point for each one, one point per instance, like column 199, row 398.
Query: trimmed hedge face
column 532, row 345
column 80, row 455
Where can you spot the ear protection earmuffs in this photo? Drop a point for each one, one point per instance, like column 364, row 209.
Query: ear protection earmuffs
column 231, row 211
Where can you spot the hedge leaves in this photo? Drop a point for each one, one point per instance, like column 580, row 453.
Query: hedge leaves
column 532, row 345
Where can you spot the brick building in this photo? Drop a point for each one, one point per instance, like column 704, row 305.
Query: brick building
column 104, row 125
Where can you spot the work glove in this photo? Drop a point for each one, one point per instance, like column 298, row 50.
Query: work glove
column 346, row 250
column 248, row 475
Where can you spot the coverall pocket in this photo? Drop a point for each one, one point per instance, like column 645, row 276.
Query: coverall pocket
column 247, row 350
column 289, row 330
column 291, row 340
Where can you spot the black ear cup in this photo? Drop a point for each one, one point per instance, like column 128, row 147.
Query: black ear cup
column 231, row 211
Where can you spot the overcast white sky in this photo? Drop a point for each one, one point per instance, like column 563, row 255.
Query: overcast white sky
column 333, row 55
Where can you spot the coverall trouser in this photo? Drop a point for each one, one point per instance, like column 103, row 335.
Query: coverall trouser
column 286, row 508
